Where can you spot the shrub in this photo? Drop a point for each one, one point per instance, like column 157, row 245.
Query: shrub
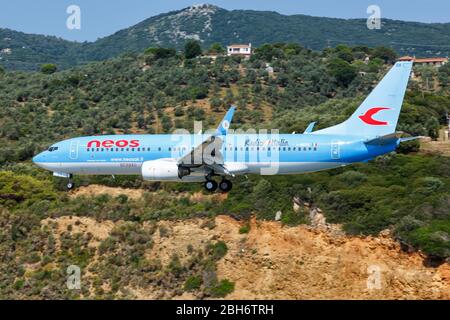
column 192, row 283
column 15, row 188
column 353, row 178
column 218, row 250
column 409, row 146
column 433, row 239
column 244, row 229
column 428, row 185
column 291, row 218
column 19, row 284
column 223, row 288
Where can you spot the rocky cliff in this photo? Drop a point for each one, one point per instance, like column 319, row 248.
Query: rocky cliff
column 273, row 261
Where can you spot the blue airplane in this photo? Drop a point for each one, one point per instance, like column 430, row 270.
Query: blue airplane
column 368, row 133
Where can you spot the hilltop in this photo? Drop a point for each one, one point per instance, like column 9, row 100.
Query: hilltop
column 210, row 24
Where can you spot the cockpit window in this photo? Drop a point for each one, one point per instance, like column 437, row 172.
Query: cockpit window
column 52, row 149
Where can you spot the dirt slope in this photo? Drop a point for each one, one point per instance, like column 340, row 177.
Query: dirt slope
column 95, row 190
column 278, row 262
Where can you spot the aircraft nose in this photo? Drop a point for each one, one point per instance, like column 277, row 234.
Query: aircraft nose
column 38, row 158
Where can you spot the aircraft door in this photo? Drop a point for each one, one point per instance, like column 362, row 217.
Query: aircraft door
column 335, row 150
column 73, row 151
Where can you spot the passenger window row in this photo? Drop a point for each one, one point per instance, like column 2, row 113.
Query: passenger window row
column 119, row 149
column 184, row 149
column 270, row 148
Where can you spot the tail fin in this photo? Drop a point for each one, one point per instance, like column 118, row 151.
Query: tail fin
column 378, row 114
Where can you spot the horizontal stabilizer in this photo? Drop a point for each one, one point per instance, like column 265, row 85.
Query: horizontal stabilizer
column 384, row 140
column 410, row 138
column 310, row 127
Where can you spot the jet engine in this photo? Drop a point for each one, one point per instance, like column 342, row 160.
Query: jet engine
column 167, row 170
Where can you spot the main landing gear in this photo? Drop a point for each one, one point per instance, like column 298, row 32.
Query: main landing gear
column 224, row 185
column 210, row 185
column 70, row 184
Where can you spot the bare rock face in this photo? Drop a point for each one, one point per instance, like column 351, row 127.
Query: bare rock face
column 306, row 263
column 315, row 216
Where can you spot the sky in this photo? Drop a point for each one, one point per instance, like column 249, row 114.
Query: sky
column 100, row 18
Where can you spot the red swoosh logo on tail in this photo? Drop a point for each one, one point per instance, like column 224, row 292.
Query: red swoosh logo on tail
column 367, row 117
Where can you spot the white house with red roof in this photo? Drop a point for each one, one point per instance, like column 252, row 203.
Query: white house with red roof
column 239, row 49
column 437, row 62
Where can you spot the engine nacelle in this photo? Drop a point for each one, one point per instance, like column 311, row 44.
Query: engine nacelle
column 167, row 170
column 160, row 170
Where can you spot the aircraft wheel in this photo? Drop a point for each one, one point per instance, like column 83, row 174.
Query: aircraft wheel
column 225, row 185
column 70, row 185
column 210, row 185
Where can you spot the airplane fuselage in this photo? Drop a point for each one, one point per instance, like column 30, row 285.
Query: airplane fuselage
column 289, row 153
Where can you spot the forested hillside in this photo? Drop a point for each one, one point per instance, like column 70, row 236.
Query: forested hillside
column 21, row 51
column 160, row 90
column 154, row 93
column 210, row 24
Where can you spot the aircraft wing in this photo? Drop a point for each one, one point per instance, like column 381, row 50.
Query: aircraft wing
column 208, row 152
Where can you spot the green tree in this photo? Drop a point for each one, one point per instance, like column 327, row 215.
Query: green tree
column 192, row 49
column 343, row 71
column 216, row 48
column 216, row 103
column 375, row 65
column 161, row 53
column 266, row 52
column 387, row 54
column 444, row 75
column 48, row 68
column 345, row 53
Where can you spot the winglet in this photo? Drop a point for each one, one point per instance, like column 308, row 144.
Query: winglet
column 224, row 125
column 310, row 127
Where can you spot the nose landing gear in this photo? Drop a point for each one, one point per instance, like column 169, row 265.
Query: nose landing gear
column 70, row 184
